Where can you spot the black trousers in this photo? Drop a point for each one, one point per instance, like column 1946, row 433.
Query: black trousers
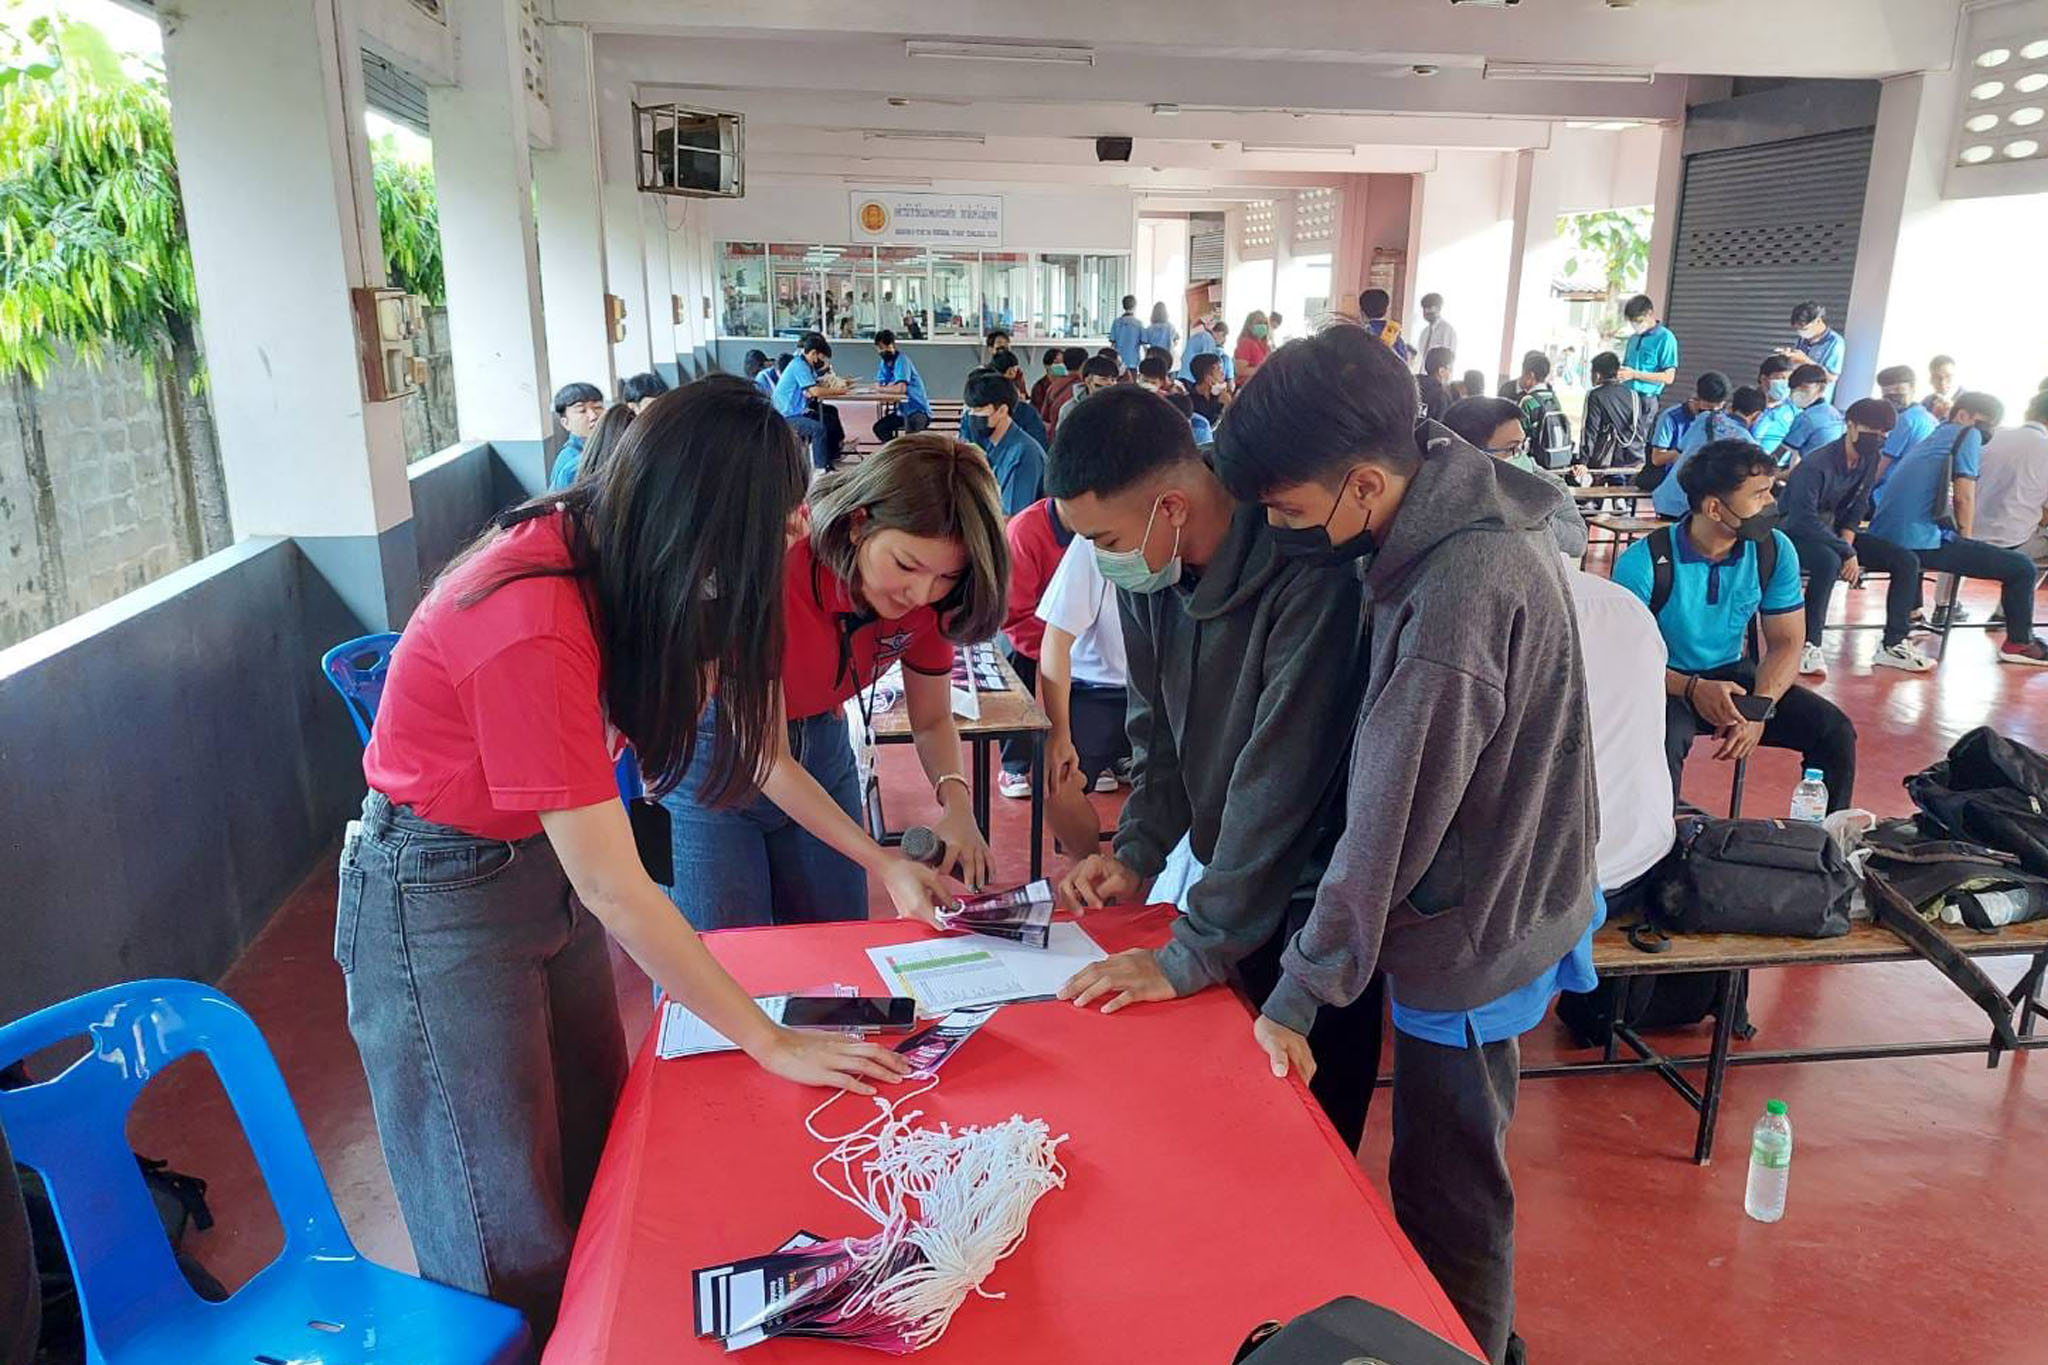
column 1806, row 722
column 1823, row 569
column 2011, row 570
column 899, row 422
column 1344, row 1041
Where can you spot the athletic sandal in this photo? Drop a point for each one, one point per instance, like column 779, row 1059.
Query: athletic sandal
column 1811, row 664
column 2033, row 654
column 1016, row 786
column 1905, row 656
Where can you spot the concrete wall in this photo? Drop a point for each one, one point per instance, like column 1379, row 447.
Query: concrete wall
column 1466, row 242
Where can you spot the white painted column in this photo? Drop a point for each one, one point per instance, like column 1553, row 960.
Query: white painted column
column 267, row 108
column 1900, row 256
column 483, row 177
column 571, row 228
column 661, row 315
column 1664, row 214
column 1537, row 255
column 625, row 255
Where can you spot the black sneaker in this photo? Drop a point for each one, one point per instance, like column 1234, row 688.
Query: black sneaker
column 1517, row 1354
column 1947, row 618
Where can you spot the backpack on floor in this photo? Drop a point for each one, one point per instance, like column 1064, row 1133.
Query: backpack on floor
column 1776, row 877
column 1989, row 790
column 1666, row 1001
column 1347, row 1331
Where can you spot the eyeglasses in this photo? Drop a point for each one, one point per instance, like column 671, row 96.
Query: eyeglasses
column 1508, row 452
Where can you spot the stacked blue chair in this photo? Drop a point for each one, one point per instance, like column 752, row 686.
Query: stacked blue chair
column 356, row 668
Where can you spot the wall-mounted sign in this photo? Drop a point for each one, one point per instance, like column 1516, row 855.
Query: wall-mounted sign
column 892, row 219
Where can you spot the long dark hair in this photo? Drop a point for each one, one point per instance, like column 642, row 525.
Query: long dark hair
column 678, row 543
column 598, row 449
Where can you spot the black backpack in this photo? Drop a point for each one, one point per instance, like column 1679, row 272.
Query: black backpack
column 1348, row 1330
column 1662, row 573
column 1777, row 877
column 1550, row 435
column 1989, row 790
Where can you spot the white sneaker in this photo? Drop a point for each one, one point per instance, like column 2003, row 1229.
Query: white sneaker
column 1016, row 786
column 1105, row 782
column 1811, row 664
column 1904, row 655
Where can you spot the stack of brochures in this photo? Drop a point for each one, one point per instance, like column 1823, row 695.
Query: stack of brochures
column 1022, row 915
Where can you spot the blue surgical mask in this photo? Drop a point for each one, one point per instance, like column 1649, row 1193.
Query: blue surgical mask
column 1128, row 570
column 1778, row 390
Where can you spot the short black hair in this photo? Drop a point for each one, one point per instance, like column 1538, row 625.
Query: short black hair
column 989, row 338
column 1872, row 414
column 1111, row 353
column 1896, row 374
column 1432, row 300
column 814, row 341
column 1939, row 361
column 1538, row 364
column 1476, row 419
column 885, row 337
column 1052, row 356
column 1438, row 358
column 1002, row 362
column 1130, row 302
column 1807, row 312
column 2037, row 406
column 1639, row 306
column 579, row 392
column 1159, row 353
column 1155, row 366
column 1074, row 357
column 1113, row 440
column 1718, row 468
column 1314, row 409
column 1809, row 374
column 756, row 361
column 635, row 388
column 985, row 387
column 1711, row 387
column 1100, row 367
column 782, row 361
column 1773, row 366
column 1606, row 365
column 1747, row 401
column 1374, row 303
column 1474, row 382
column 1984, row 405
column 1202, row 364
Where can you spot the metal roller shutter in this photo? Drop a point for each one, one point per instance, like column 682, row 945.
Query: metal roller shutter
column 1759, row 229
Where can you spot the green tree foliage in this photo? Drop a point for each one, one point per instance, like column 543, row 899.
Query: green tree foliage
column 409, row 219
column 1617, row 241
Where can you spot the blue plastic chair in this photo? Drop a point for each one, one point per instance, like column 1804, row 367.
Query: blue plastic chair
column 319, row 1301
column 356, row 668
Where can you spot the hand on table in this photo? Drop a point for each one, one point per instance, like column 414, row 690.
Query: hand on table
column 1715, row 702
column 1128, row 978
column 1097, row 880
column 830, row 1060
column 915, row 890
column 1739, row 741
column 966, row 852
column 1285, row 1049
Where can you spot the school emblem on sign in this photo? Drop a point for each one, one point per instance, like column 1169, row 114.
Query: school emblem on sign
column 874, row 216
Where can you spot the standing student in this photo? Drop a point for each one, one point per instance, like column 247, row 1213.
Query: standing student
column 1819, row 420
column 1617, row 426
column 1774, row 377
column 638, row 390
column 2012, row 490
column 1436, row 332
column 493, row 853
column 1815, row 343
column 1465, row 871
column 905, row 559
column 896, row 375
column 1732, row 424
column 1433, row 388
column 1127, row 334
column 1721, row 578
column 1082, row 683
column 1928, row 505
column 991, row 412
column 1037, row 538
column 1373, row 306
column 1650, row 360
column 579, row 408
column 1252, row 345
column 996, row 340
column 1220, row 330
column 1895, row 384
column 800, row 393
column 1825, row 502
column 1054, row 368
column 1943, row 386
column 1201, row 341
column 1241, row 695
column 1161, row 331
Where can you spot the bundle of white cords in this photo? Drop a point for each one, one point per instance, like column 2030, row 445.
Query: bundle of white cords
column 972, row 1192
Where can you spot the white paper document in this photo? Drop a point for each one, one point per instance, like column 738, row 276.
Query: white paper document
column 683, row 1034
column 945, row 974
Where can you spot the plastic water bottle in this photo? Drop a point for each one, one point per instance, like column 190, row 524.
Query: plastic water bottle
column 1770, row 1165
column 1810, row 798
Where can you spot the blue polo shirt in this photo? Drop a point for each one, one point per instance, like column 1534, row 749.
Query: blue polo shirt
column 1513, row 1014
column 1915, row 425
column 1199, row 343
column 1772, row 424
column 1127, row 334
column 1656, row 349
column 765, row 379
column 1813, row 428
column 1019, row 465
column 1826, row 352
column 566, row 464
column 1669, row 499
column 897, row 369
column 789, row 389
column 1158, row 334
column 1712, row 600
column 1023, row 415
column 1205, row 432
column 1672, row 424
column 1905, row 501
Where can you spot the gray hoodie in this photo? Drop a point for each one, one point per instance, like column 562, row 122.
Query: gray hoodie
column 1243, row 685
column 1466, row 864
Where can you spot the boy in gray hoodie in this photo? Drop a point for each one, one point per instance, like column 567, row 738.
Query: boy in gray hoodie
column 1242, row 690
column 1465, row 871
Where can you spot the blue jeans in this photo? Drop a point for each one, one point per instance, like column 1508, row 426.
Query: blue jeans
column 480, row 997
column 814, row 433
column 750, row 865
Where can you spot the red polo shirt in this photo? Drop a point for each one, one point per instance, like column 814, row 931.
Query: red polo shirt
column 1037, row 540
column 833, row 648
column 493, row 712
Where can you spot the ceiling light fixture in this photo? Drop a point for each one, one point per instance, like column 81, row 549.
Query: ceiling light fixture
column 1564, row 71
column 1166, row 110
column 921, row 135
column 1296, row 148
column 869, row 181
column 1045, row 54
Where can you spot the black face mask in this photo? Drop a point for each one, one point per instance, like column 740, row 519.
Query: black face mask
column 1313, row 544
column 980, row 428
column 1757, row 525
column 1870, row 444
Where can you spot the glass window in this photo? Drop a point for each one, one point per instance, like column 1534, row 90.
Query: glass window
column 1006, row 293
column 793, row 288
column 743, row 275
column 905, row 278
column 1059, row 309
column 1102, row 291
column 849, row 283
column 955, row 299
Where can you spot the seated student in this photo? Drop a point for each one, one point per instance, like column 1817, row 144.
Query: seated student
column 1241, row 693
column 1153, row 376
column 997, row 340
column 1025, row 415
column 897, row 376
column 1209, row 393
column 1720, row 577
column 905, row 559
column 638, row 390
column 1433, row 387
column 1167, row 383
column 1099, row 372
column 1815, row 343
column 761, row 372
column 1054, row 368
column 805, row 382
column 1466, row 868
column 1667, row 434
column 1650, row 360
column 1472, row 385
column 1774, row 377
column 1826, row 501
column 1929, row 505
column 1062, row 387
column 578, row 409
column 1819, row 421
column 611, row 429
column 1038, row 538
column 1494, row 425
column 2012, row 491
column 1082, row 685
column 1127, row 334
column 1010, row 366
column 1895, row 384
column 1617, row 427
column 1731, row 424
column 1373, row 306
column 1252, row 345
column 992, row 416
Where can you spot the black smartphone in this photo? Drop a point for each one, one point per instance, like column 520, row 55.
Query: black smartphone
column 1752, row 707
column 866, row 1014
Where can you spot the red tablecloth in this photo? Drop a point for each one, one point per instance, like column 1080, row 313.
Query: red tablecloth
column 1202, row 1198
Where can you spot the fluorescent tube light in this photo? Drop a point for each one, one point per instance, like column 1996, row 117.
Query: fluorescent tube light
column 1000, row 52
column 921, row 135
column 1564, row 71
column 1296, row 148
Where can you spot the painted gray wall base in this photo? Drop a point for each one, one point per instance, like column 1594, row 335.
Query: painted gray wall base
column 672, row 372
column 172, row 765
column 376, row 577
column 523, row 467
column 453, row 495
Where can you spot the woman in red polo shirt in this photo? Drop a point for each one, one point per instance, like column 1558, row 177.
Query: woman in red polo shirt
column 494, row 853
column 906, row 557
column 1254, row 344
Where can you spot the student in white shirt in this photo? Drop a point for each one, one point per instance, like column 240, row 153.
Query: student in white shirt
column 1625, row 660
column 2012, row 488
column 1082, row 673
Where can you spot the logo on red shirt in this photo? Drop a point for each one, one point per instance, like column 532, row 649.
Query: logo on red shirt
column 887, row 647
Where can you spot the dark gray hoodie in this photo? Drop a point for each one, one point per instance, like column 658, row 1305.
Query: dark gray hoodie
column 1243, row 687
column 1466, row 863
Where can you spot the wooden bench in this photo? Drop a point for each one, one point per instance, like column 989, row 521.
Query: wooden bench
column 1622, row 532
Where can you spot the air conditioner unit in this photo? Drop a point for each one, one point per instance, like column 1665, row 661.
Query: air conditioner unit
column 695, row 153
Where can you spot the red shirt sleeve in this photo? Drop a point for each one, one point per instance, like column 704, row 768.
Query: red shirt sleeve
column 930, row 652
column 539, row 726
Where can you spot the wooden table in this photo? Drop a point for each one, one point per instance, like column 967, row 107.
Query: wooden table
column 1734, row 955
column 1012, row 713
column 1622, row 532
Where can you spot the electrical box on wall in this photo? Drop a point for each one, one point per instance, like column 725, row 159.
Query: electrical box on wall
column 615, row 317
column 387, row 321
column 675, row 308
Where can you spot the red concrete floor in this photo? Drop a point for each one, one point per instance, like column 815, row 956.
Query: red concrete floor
column 1914, row 1194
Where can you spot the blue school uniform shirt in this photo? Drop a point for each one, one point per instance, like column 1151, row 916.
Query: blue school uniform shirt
column 1915, row 424
column 1656, row 349
column 897, row 369
column 1019, row 465
column 1205, row 434
column 1772, row 424
column 1669, row 499
column 1127, row 335
column 1672, row 424
column 1513, row 1014
column 1160, row 335
column 1819, row 424
column 1825, row 352
column 566, row 464
column 1023, row 415
column 789, row 389
column 765, row 378
column 1712, row 600
column 1199, row 343
column 1905, row 501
